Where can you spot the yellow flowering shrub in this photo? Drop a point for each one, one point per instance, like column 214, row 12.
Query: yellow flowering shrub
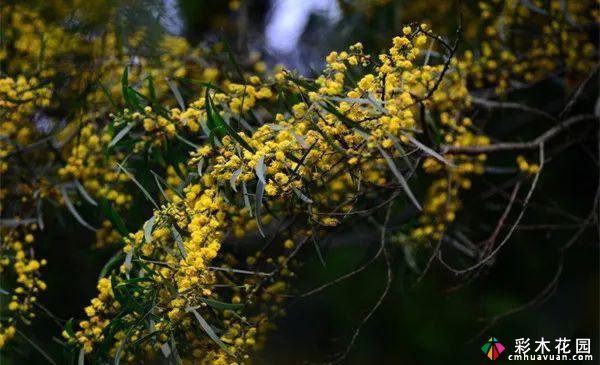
column 173, row 160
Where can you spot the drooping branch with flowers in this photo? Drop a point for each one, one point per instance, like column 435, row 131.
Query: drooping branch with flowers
column 210, row 186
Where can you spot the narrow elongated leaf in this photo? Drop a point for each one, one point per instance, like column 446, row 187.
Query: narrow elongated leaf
column 110, row 264
column 260, row 190
column 184, row 140
column 234, row 177
column 151, row 88
column 218, row 126
column 69, row 328
column 37, row 347
column 343, row 118
column 399, row 177
column 161, row 181
column 114, row 217
column 162, row 191
column 204, row 126
column 200, row 165
column 165, row 349
column 246, row 125
column 246, row 198
column 81, row 358
column 108, row 96
column 176, row 92
column 179, row 241
column 40, row 215
column 85, row 194
column 73, row 211
column 148, row 227
column 260, row 169
column 12, row 222
column 125, row 84
column 316, row 244
column 398, row 146
column 299, row 138
column 174, row 351
column 209, row 331
column 301, row 195
column 231, row 57
column 146, row 194
column 427, row 150
column 127, row 262
column 221, row 305
column 409, row 257
column 122, row 133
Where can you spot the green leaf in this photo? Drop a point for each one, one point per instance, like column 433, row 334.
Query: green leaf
column 427, row 150
column 133, row 97
column 234, row 177
column 148, row 229
column 147, row 337
column 260, row 169
column 151, row 87
column 179, row 241
column 246, row 198
column 232, row 60
column 209, row 331
column 221, row 305
column 37, row 347
column 69, row 328
column 81, row 358
column 107, row 94
column 186, row 141
column 217, row 124
column 260, row 190
column 134, row 281
column 146, row 193
column 114, row 217
column 122, row 133
column 301, row 195
column 176, row 92
column 110, row 264
column 124, row 296
column 84, row 194
column 125, row 85
column 302, row 83
column 343, row 118
column 73, row 211
column 161, row 181
column 318, row 249
column 400, row 178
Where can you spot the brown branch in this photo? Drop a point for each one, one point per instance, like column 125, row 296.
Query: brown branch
column 362, row 267
column 516, row 146
column 514, row 225
column 492, row 104
column 383, row 295
column 577, row 94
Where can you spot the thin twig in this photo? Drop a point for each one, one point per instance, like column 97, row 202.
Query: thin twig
column 514, row 146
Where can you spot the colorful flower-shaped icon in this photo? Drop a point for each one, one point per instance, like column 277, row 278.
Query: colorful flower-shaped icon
column 492, row 348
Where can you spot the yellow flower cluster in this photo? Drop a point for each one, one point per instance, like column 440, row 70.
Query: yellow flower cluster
column 338, row 138
column 530, row 168
column 17, row 264
column 19, row 99
column 562, row 45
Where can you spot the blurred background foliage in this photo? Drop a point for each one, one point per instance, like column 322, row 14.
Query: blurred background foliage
column 437, row 318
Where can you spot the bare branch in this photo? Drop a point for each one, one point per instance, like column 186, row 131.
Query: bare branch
column 515, row 146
